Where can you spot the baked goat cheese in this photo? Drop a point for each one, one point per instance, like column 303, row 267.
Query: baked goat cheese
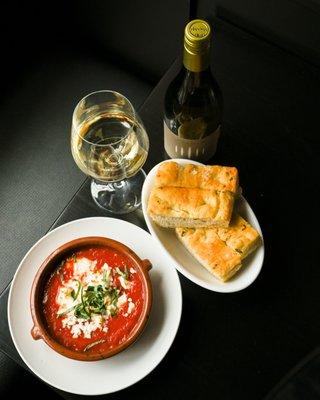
column 86, row 279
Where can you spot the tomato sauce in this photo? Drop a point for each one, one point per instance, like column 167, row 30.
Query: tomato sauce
column 119, row 326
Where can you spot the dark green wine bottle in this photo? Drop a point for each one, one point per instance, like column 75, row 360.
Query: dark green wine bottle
column 193, row 101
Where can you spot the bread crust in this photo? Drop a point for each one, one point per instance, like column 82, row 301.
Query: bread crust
column 210, row 177
column 221, row 250
column 206, row 246
column 190, row 207
column 240, row 236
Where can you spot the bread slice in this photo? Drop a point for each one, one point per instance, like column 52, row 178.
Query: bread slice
column 206, row 246
column 172, row 207
column 221, row 257
column 240, row 236
column 210, row 177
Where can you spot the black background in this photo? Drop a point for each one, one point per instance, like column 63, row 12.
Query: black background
column 266, row 59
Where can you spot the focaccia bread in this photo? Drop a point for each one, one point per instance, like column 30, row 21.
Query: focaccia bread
column 173, row 207
column 240, row 236
column 221, row 250
column 210, row 177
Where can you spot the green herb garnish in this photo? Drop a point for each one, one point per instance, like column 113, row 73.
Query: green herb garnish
column 113, row 312
column 75, row 294
column 94, row 300
column 80, row 312
column 106, row 277
column 66, row 312
column 125, row 274
column 100, row 299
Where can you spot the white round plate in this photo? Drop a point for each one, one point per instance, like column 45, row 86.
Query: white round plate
column 129, row 366
column 185, row 262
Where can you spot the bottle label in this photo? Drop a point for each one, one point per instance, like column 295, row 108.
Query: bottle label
column 193, row 149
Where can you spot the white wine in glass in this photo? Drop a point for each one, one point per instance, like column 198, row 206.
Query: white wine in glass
column 110, row 144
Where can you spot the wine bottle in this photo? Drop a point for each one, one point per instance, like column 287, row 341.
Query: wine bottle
column 193, row 100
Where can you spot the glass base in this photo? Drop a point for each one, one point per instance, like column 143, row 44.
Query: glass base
column 119, row 197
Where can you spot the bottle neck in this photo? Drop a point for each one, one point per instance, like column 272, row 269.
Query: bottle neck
column 195, row 62
column 193, row 80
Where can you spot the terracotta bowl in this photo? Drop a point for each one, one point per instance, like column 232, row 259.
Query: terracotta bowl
column 39, row 330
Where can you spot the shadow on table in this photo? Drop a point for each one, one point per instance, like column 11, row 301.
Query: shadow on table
column 302, row 382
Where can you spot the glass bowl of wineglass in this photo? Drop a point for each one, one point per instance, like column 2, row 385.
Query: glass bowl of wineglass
column 110, row 144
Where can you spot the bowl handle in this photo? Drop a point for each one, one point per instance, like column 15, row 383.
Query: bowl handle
column 146, row 265
column 36, row 333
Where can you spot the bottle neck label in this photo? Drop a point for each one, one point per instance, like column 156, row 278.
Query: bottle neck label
column 193, row 149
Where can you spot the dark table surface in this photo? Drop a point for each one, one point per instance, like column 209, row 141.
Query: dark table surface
column 240, row 345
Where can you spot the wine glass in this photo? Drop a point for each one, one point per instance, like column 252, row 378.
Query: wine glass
column 110, row 144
